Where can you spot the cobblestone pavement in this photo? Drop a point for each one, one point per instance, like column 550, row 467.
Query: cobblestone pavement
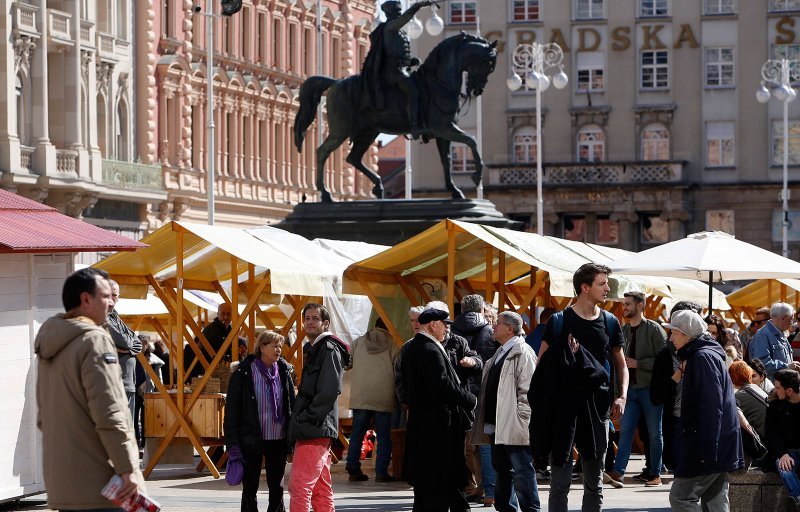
column 180, row 489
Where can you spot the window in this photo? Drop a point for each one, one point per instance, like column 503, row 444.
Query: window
column 591, row 144
column 589, row 9
column 721, row 220
column 590, row 72
column 122, row 20
column 653, row 229
column 655, row 142
column 525, row 145
column 720, row 144
column 655, row 69
column 463, row 12
column 606, row 231
column 718, row 7
column 123, row 154
column 654, row 8
column 310, row 43
column 525, row 10
column 167, row 21
column 461, row 159
column 574, row 228
column 777, row 142
column 719, row 67
column 292, row 45
column 784, row 5
column 276, row 44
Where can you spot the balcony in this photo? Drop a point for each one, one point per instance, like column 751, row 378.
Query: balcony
column 576, row 174
column 87, row 34
column 26, row 158
column 130, row 175
column 59, row 26
column 25, row 20
column 67, row 161
column 106, row 46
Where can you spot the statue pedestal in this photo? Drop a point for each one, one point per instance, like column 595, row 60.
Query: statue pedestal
column 387, row 221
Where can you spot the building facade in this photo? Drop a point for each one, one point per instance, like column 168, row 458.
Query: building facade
column 261, row 57
column 658, row 133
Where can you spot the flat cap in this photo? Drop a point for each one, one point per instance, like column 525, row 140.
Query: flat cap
column 431, row 314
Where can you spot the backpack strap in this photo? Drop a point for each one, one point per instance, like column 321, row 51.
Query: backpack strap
column 558, row 324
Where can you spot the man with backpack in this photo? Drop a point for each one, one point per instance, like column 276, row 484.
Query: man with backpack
column 571, row 388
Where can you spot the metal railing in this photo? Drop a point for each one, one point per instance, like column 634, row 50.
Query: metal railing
column 598, row 173
column 132, row 175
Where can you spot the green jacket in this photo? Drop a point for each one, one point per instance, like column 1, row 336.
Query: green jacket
column 650, row 339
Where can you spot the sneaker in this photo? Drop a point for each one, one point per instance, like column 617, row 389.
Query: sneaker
column 653, row 482
column 644, row 476
column 358, row 476
column 542, row 474
column 613, row 479
column 488, row 502
column 384, row 478
column 474, row 498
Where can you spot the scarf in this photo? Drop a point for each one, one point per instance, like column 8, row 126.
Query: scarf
column 274, row 381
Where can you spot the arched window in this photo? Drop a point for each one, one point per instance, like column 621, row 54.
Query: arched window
column 655, row 142
column 591, row 144
column 525, row 141
column 123, row 131
column 102, row 126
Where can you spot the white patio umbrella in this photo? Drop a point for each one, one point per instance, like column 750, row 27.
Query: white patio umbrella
column 711, row 256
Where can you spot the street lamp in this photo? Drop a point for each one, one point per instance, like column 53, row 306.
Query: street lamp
column 533, row 61
column 779, row 74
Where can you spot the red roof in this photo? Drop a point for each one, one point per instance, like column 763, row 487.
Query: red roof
column 27, row 226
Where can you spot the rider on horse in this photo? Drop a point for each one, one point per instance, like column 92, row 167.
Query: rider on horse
column 389, row 60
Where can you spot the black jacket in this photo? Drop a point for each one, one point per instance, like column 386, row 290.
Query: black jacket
column 457, row 349
column 708, row 439
column 316, row 412
column 242, row 426
column 474, row 328
column 783, row 428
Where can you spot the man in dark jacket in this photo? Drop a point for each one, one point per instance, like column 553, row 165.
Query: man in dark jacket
column 437, row 419
column 708, row 441
column 128, row 345
column 473, row 327
column 783, row 430
column 315, row 422
column 216, row 332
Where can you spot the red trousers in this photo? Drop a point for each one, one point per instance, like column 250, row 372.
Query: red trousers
column 310, row 479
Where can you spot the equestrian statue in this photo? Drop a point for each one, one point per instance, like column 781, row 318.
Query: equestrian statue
column 391, row 96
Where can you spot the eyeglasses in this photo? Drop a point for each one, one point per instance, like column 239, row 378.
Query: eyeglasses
column 759, row 322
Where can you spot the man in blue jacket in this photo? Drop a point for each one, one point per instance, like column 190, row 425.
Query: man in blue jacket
column 770, row 344
column 708, row 442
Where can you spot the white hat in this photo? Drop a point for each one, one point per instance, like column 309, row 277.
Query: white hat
column 688, row 322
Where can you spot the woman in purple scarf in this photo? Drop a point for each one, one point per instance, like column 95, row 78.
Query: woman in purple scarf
column 257, row 410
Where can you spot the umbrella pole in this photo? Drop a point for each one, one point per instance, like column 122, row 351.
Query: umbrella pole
column 710, row 291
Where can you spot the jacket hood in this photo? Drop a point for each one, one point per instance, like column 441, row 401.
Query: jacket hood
column 469, row 323
column 344, row 349
column 704, row 342
column 378, row 340
column 57, row 332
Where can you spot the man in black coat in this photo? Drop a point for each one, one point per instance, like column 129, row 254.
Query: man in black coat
column 708, row 443
column 438, row 419
column 216, row 332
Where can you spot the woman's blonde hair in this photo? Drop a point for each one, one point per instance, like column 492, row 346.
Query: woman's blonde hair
column 266, row 338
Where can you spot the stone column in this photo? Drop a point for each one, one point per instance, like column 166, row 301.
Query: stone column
column 73, row 104
column 44, row 156
column 626, row 219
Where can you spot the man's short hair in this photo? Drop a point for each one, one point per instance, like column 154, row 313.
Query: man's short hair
column 780, row 309
column 513, row 320
column 83, row 280
column 638, row 297
column 323, row 311
column 472, row 304
column 687, row 305
column 112, row 283
column 762, row 311
column 437, row 304
column 789, row 379
column 416, row 310
column 586, row 274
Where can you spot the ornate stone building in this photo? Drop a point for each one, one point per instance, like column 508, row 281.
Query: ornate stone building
column 658, row 133
column 262, row 55
column 67, row 104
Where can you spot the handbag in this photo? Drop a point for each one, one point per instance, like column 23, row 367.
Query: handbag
column 234, row 471
column 752, row 445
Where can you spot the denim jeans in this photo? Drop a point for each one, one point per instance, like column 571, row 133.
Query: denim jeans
column 514, row 467
column 488, row 474
column 790, row 478
column 383, row 423
column 639, row 403
column 706, row 493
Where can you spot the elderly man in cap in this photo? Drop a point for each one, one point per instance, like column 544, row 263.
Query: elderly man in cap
column 708, row 443
column 439, row 416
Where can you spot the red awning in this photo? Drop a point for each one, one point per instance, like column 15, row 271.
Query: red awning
column 27, row 226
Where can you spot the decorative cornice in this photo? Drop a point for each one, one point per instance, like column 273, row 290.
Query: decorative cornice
column 23, row 50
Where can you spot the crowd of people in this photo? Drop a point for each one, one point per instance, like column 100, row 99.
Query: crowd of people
column 487, row 411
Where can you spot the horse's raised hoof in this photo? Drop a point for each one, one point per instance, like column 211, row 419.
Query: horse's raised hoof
column 476, row 178
column 326, row 197
column 377, row 191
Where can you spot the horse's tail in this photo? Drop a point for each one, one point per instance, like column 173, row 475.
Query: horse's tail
column 310, row 95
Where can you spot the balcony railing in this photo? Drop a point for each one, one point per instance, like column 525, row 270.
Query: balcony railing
column 132, row 175
column 105, row 44
column 26, row 158
column 60, row 27
column 25, row 19
column 66, row 161
column 87, row 30
column 601, row 173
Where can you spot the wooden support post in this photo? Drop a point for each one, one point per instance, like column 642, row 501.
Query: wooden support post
column 489, row 274
column 501, row 280
column 769, row 291
column 783, row 292
column 179, row 318
column 451, row 267
column 235, row 302
column 530, row 303
column 378, row 307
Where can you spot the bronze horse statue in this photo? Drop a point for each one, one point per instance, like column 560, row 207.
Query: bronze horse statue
column 440, row 78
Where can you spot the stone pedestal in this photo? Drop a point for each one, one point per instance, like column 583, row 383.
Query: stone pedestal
column 387, row 221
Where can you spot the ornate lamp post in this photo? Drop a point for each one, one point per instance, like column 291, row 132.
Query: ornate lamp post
column 533, row 62
column 779, row 74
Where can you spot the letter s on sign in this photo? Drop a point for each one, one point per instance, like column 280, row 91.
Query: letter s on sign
column 621, row 38
column 786, row 34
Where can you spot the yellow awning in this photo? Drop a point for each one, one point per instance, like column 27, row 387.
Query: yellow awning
column 764, row 292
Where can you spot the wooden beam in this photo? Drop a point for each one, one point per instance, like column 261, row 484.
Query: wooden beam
column 379, row 308
column 467, row 286
column 451, row 266
column 406, row 288
column 188, row 321
column 501, row 280
column 423, row 293
column 179, row 320
column 528, row 299
column 221, row 291
column 489, row 276
column 235, row 303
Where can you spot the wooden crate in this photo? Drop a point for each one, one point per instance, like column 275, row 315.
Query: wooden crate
column 206, row 416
